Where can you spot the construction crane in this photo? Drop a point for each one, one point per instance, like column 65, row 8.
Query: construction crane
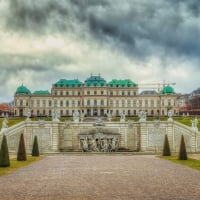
column 157, row 86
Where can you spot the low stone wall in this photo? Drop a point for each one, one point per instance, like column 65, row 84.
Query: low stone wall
column 111, row 136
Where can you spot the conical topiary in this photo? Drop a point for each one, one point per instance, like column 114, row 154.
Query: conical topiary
column 35, row 149
column 182, row 151
column 4, row 155
column 166, row 148
column 21, row 154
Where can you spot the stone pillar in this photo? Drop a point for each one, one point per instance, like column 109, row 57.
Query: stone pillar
column 123, row 139
column 28, row 137
column 170, row 134
column 143, row 136
column 55, row 137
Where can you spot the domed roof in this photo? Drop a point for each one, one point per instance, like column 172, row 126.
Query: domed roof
column 68, row 83
column 122, row 83
column 23, row 90
column 167, row 90
column 95, row 81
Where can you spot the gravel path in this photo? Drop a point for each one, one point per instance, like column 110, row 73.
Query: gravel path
column 103, row 177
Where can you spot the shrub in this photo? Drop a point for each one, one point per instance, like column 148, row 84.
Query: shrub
column 21, row 154
column 35, row 149
column 166, row 147
column 4, row 155
column 182, row 151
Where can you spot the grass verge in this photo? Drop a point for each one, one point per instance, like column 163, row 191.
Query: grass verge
column 14, row 164
column 193, row 163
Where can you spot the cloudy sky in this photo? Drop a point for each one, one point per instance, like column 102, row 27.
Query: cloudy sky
column 147, row 41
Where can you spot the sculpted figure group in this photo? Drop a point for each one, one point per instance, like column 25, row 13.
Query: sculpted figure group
column 99, row 144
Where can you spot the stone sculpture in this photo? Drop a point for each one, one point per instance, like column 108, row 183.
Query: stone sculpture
column 28, row 114
column 169, row 116
column 76, row 116
column 4, row 125
column 123, row 117
column 106, row 144
column 55, row 116
column 195, row 124
column 142, row 116
column 109, row 116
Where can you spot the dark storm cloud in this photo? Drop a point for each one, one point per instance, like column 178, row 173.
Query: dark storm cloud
column 16, row 65
column 138, row 28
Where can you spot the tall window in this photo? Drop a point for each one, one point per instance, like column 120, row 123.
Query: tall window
column 32, row 103
column 152, row 103
column 44, row 103
column 49, row 103
column 88, row 102
column 67, row 103
column 95, row 102
column 140, row 103
column 38, row 103
column 146, row 103
column 123, row 103
column 134, row 103
column 21, row 102
column 117, row 103
column 102, row 102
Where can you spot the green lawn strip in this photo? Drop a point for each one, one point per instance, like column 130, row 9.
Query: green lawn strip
column 14, row 164
column 193, row 163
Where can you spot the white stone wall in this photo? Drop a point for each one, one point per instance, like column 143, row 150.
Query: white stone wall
column 134, row 136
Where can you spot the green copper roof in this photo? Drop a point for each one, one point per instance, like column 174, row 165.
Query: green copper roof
column 23, row 90
column 122, row 83
column 41, row 92
column 167, row 90
column 95, row 81
column 68, row 83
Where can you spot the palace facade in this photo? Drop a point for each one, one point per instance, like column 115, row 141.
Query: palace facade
column 94, row 97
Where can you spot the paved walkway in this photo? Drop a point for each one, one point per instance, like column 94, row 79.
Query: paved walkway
column 106, row 177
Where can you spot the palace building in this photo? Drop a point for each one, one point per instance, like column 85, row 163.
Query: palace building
column 95, row 97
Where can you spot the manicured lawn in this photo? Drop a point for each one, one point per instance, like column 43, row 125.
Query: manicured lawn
column 193, row 163
column 14, row 164
column 12, row 121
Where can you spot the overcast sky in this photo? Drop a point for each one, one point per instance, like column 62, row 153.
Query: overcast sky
column 147, row 41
